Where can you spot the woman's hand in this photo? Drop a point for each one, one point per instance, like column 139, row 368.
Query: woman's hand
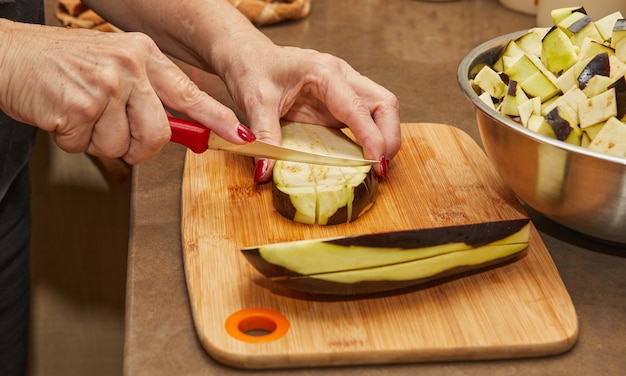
column 100, row 93
column 267, row 82
column 270, row 82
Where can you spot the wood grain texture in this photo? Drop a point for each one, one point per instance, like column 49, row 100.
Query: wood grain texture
column 440, row 177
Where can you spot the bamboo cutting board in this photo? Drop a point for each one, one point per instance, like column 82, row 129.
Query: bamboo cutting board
column 440, row 177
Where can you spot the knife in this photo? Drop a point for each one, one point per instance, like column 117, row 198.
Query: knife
column 198, row 139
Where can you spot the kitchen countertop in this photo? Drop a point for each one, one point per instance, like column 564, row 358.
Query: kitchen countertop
column 413, row 49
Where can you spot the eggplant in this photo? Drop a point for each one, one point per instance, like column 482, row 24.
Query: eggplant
column 598, row 65
column 606, row 24
column 510, row 103
column 609, row 138
column 618, row 33
column 561, row 127
column 598, row 109
column 563, row 121
column 488, row 80
column 620, row 95
column 580, row 24
column 558, row 53
column 375, row 263
column 560, row 14
column 319, row 194
column 575, row 85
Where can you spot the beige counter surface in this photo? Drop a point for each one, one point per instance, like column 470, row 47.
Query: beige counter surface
column 413, row 49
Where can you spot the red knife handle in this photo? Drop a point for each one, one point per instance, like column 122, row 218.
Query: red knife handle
column 193, row 135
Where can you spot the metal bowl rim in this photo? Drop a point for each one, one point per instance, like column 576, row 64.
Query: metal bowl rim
column 463, row 71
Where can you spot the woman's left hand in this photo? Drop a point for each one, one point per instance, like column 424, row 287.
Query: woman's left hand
column 273, row 82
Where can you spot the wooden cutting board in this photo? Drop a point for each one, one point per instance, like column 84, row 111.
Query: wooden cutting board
column 440, row 177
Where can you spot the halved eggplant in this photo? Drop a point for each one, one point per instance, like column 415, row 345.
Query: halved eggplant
column 326, row 195
column 381, row 262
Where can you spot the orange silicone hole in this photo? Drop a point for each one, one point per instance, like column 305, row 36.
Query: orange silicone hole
column 257, row 325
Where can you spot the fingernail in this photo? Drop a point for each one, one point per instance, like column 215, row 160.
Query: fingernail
column 260, row 170
column 383, row 167
column 245, row 133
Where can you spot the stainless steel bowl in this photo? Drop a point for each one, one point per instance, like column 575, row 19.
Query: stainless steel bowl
column 576, row 187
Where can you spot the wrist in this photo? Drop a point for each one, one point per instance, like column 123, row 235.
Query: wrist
column 239, row 54
column 6, row 35
column 6, row 40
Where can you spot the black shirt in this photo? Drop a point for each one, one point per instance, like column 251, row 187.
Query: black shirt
column 16, row 143
column 16, row 139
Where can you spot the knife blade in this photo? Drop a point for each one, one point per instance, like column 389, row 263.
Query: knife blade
column 199, row 138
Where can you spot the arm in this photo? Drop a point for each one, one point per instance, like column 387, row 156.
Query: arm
column 98, row 92
column 204, row 33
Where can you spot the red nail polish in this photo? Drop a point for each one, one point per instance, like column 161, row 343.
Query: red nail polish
column 245, row 133
column 383, row 167
column 260, row 170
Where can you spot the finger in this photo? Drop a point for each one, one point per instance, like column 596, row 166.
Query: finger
column 384, row 110
column 348, row 107
column 264, row 120
column 308, row 109
column 110, row 136
column 388, row 120
column 72, row 138
column 148, row 124
column 176, row 91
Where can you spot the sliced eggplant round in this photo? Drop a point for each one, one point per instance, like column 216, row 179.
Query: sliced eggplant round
column 320, row 194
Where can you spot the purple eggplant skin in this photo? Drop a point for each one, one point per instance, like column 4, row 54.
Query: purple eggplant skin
column 309, row 288
column 474, row 235
column 620, row 94
column 561, row 127
column 365, row 195
column 282, row 203
column 511, row 88
column 550, row 30
column 599, row 64
column 504, row 77
column 577, row 26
